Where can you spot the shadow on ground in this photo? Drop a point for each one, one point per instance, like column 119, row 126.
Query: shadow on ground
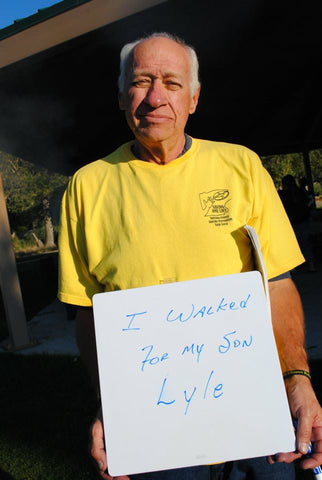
column 46, row 407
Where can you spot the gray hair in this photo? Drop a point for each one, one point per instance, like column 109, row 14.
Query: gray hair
column 129, row 47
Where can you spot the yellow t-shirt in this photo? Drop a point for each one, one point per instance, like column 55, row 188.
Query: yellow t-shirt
column 128, row 223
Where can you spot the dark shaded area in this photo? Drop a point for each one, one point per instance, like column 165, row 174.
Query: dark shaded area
column 38, row 277
column 52, row 405
column 5, row 476
column 316, row 368
column 260, row 72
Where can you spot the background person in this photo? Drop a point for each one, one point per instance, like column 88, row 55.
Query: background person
column 297, row 204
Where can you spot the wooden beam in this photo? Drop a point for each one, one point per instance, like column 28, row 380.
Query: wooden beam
column 9, row 283
column 308, row 173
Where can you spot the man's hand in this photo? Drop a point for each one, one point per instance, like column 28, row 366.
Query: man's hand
column 288, row 324
column 85, row 334
column 97, row 449
column 307, row 411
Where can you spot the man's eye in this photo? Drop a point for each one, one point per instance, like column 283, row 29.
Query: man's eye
column 172, row 85
column 141, row 83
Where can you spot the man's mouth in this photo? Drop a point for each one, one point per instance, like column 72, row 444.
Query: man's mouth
column 153, row 118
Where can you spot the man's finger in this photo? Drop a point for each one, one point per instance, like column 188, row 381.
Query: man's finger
column 285, row 457
column 303, row 434
column 97, row 447
column 315, row 458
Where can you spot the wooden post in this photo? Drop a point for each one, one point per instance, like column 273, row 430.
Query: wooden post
column 9, row 283
column 308, row 173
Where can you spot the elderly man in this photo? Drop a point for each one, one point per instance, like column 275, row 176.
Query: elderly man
column 166, row 207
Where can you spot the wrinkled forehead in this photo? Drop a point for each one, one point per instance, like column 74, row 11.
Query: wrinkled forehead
column 159, row 54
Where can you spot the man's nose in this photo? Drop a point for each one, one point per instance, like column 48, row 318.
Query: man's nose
column 156, row 96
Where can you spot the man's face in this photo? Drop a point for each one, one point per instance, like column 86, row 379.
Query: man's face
column 157, row 98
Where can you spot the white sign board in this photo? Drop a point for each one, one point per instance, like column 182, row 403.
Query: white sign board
column 189, row 374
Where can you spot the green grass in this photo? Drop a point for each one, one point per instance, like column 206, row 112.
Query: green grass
column 46, row 407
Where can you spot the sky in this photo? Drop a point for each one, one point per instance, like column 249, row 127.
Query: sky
column 11, row 10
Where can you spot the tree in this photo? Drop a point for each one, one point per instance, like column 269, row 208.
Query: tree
column 316, row 165
column 293, row 164
column 49, row 229
column 28, row 189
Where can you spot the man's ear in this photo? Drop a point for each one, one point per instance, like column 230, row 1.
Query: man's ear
column 121, row 101
column 194, row 101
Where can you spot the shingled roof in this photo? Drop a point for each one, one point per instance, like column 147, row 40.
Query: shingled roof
column 42, row 14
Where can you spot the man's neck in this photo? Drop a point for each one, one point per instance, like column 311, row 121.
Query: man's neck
column 160, row 153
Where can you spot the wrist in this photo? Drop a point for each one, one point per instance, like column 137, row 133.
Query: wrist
column 295, row 383
column 297, row 373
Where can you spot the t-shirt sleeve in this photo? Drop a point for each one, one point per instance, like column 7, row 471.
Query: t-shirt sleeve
column 76, row 285
column 278, row 243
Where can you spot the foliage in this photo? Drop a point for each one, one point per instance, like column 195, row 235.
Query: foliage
column 280, row 165
column 292, row 163
column 316, row 165
column 26, row 186
column 24, row 242
column 318, row 189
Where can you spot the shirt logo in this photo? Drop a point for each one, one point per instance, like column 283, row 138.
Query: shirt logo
column 215, row 205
